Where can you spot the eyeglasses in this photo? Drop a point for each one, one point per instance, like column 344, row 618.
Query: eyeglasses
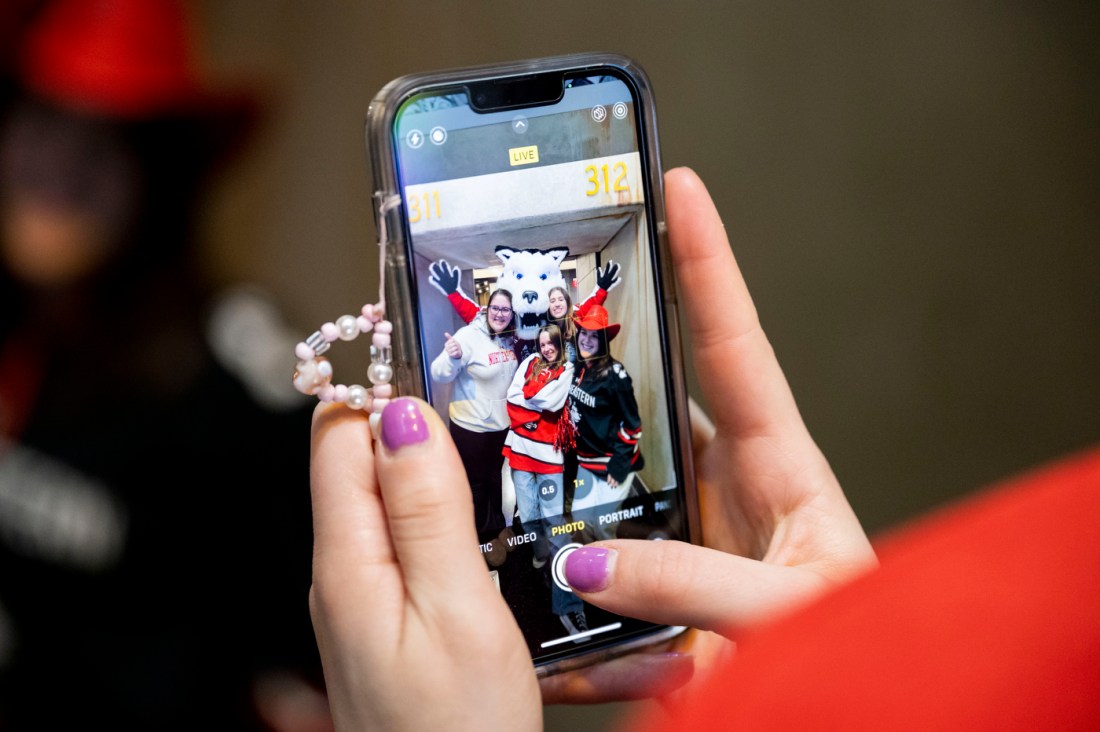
column 498, row 310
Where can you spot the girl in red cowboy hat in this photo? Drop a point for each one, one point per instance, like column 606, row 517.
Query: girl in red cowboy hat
column 605, row 414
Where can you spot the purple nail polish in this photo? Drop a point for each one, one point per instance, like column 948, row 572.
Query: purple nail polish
column 589, row 568
column 403, row 424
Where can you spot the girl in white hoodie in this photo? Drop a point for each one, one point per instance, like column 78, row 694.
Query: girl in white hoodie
column 480, row 360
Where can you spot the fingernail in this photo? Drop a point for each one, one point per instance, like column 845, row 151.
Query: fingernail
column 403, row 424
column 589, row 568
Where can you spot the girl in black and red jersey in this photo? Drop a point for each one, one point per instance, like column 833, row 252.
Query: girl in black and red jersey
column 605, row 414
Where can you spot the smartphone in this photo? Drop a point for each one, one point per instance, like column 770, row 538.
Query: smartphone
column 526, row 270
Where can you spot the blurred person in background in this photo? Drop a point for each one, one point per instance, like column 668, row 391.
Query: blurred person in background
column 140, row 478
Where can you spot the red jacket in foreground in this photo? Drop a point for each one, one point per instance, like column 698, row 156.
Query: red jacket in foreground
column 985, row 616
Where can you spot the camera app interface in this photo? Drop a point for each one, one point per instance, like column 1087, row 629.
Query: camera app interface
column 536, row 295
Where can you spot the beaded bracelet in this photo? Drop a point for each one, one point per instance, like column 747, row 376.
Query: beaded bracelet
column 313, row 373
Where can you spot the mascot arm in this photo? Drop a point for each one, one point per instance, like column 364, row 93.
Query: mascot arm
column 444, row 277
column 607, row 276
column 598, row 297
column 607, row 279
column 466, row 308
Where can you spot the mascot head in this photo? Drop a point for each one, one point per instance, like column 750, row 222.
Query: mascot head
column 530, row 274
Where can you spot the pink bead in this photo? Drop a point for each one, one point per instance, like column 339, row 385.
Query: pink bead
column 380, row 340
column 379, row 404
column 327, row 393
column 364, row 324
column 379, row 313
column 304, row 352
column 341, row 392
column 330, row 332
column 384, row 327
column 368, row 311
column 383, row 391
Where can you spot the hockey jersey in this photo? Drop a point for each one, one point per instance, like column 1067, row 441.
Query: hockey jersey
column 534, row 408
column 605, row 414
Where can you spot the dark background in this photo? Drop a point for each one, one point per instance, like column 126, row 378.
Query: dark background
column 912, row 190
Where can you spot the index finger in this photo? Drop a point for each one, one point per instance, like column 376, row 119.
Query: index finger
column 729, row 346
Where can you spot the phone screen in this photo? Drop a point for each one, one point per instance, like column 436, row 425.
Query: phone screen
column 538, row 314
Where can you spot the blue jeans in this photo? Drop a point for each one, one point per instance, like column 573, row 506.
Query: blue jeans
column 539, row 497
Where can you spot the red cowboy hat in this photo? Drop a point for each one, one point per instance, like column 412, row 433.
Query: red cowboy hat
column 126, row 59
column 596, row 318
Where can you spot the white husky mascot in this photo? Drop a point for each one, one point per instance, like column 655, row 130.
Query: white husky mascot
column 529, row 275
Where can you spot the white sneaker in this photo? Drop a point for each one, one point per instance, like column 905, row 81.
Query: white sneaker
column 575, row 623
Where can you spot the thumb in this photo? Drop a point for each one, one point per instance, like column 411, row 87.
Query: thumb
column 428, row 503
column 674, row 583
column 447, row 336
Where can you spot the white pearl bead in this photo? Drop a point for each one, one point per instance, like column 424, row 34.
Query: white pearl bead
column 357, row 397
column 348, row 328
column 380, row 373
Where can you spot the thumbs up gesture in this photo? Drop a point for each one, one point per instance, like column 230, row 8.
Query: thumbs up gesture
column 452, row 347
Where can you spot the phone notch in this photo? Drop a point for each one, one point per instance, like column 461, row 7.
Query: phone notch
column 516, row 92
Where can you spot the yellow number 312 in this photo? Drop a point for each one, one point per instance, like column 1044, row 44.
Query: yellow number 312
column 595, row 174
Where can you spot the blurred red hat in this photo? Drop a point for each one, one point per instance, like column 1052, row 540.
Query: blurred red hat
column 596, row 318
column 129, row 59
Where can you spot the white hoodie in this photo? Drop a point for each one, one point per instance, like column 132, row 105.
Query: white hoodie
column 481, row 378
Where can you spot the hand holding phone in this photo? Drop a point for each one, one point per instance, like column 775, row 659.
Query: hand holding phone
column 777, row 517
column 395, row 626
